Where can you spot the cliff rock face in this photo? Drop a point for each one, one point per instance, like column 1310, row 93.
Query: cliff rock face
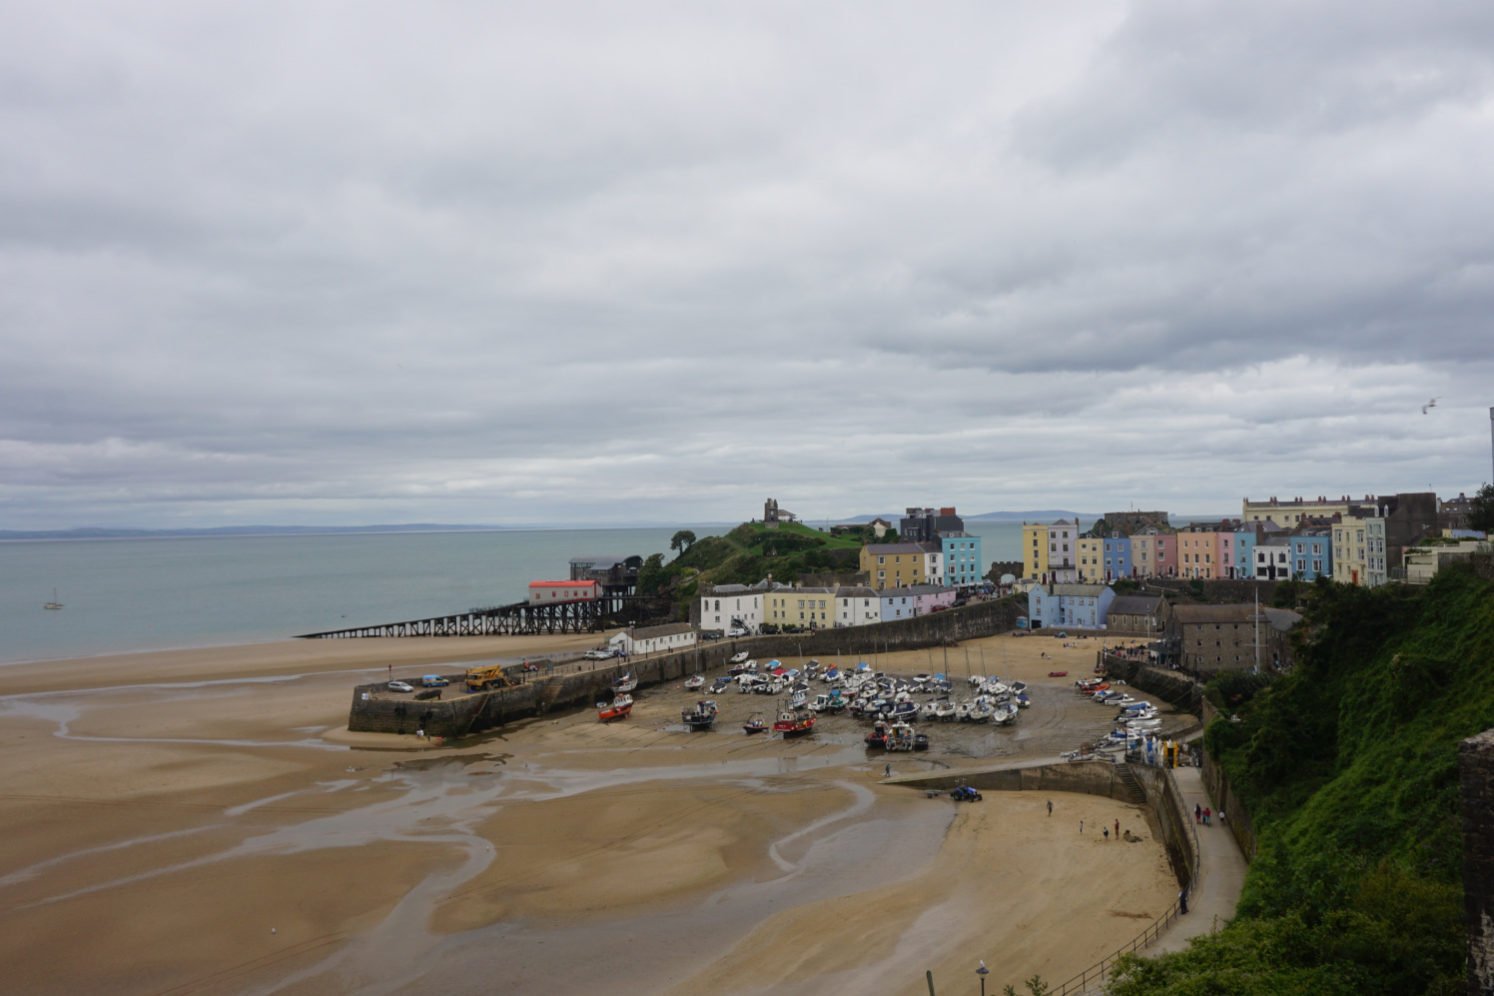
column 1476, row 775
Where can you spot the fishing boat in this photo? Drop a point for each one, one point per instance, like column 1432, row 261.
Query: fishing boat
column 694, row 681
column 900, row 737
column 700, row 716
column 794, row 722
column 877, row 738
column 755, row 724
column 53, row 604
column 618, row 707
column 625, row 682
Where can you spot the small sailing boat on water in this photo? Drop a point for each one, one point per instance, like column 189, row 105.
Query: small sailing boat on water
column 54, row 603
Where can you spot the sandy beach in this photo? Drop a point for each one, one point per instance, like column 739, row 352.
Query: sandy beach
column 201, row 821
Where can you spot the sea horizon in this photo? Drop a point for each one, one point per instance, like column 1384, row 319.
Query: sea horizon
column 140, row 594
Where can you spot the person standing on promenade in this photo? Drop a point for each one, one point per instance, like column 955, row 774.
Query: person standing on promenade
column 1197, row 813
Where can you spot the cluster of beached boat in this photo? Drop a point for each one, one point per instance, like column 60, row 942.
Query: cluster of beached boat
column 1137, row 724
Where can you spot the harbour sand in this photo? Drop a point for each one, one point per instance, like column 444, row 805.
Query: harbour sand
column 200, row 821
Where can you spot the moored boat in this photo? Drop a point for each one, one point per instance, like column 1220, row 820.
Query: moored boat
column 694, row 681
column 794, row 723
column 700, row 716
column 625, row 682
column 755, row 724
column 619, row 707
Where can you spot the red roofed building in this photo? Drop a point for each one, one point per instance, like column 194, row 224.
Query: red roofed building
column 545, row 592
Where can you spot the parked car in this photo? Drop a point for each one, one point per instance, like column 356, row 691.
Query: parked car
column 434, row 681
column 735, row 632
column 401, row 686
column 710, row 634
column 599, row 654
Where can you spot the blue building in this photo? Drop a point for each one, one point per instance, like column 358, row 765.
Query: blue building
column 1311, row 553
column 1076, row 606
column 1244, row 553
column 962, row 560
column 1117, row 558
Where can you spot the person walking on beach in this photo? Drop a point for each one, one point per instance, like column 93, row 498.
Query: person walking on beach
column 1081, row 826
column 887, row 771
column 1106, row 832
column 1050, row 807
column 1117, row 829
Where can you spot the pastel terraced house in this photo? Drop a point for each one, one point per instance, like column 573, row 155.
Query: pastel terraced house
column 1117, row 551
column 807, row 608
column 1089, row 552
column 962, row 565
column 857, row 606
column 895, row 565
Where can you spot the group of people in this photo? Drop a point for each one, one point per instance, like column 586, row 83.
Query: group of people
column 1203, row 814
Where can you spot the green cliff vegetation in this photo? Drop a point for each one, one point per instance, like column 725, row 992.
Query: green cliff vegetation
column 1348, row 766
column 749, row 553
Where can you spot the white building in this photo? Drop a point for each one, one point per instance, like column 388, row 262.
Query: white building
column 727, row 606
column 1273, row 561
column 653, row 639
column 857, row 607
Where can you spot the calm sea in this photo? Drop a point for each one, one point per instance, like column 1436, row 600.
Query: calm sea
column 160, row 594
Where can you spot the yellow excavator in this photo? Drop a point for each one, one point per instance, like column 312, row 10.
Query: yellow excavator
column 484, row 679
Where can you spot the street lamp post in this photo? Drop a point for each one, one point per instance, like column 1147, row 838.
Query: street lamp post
column 983, row 971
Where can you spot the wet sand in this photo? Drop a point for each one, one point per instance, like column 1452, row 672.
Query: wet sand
column 200, row 821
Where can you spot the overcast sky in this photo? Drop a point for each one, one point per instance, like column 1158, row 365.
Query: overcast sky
column 352, row 263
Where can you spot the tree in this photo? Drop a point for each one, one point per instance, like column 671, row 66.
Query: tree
column 1481, row 515
column 651, row 575
column 682, row 540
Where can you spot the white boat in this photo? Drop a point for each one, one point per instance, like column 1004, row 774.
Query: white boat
column 694, row 681
column 626, row 682
column 54, row 603
column 944, row 710
column 1004, row 714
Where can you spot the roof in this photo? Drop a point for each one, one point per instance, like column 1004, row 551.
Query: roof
column 1237, row 612
column 599, row 559
column 883, row 549
column 1135, row 605
column 856, row 591
column 1079, row 590
column 563, row 584
column 668, row 629
column 1282, row 620
column 928, row 589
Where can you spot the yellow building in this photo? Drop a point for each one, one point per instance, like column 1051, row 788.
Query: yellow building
column 1034, row 550
column 808, row 608
column 1091, row 557
column 894, row 565
column 1291, row 513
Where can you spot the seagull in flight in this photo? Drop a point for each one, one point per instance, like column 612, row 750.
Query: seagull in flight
column 1429, row 404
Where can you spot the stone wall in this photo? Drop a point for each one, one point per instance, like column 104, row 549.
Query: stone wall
column 1476, row 775
column 1173, row 687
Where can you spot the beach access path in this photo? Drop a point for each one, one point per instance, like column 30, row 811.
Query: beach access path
column 1221, row 872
